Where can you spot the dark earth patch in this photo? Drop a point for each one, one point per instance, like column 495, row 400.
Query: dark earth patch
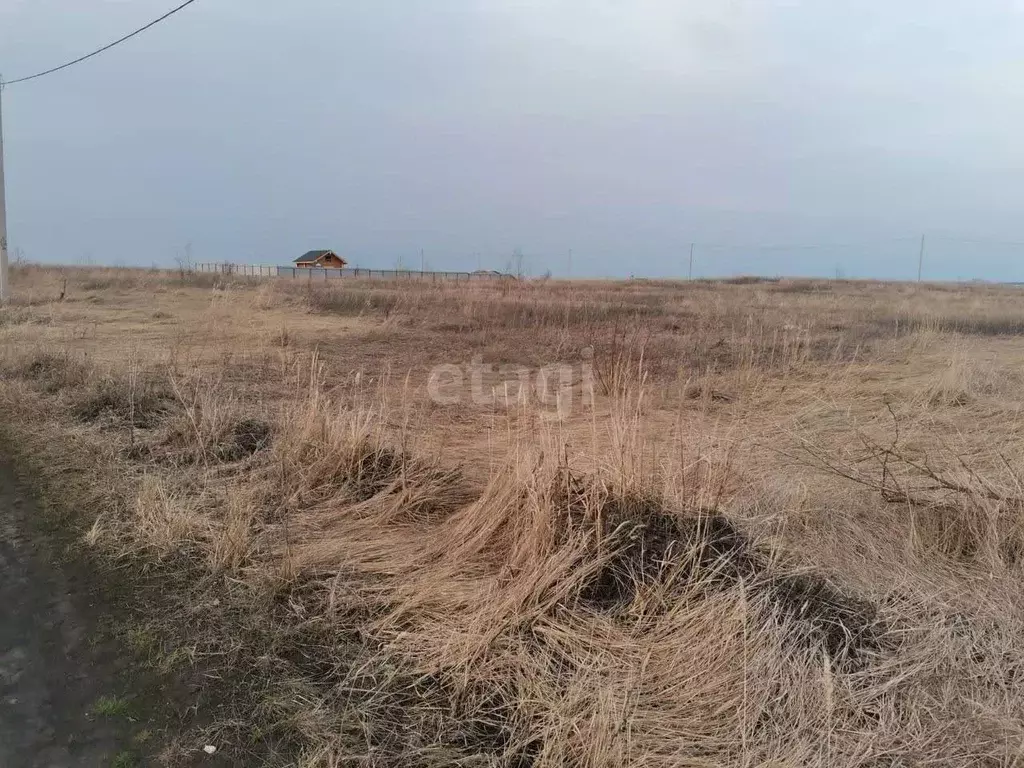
column 71, row 695
column 246, row 438
column 643, row 541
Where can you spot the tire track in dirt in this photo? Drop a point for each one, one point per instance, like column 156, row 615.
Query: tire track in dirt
column 56, row 667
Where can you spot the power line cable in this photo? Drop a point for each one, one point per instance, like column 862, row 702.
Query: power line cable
column 978, row 240
column 803, row 246
column 99, row 50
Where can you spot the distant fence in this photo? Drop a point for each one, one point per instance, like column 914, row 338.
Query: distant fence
column 318, row 273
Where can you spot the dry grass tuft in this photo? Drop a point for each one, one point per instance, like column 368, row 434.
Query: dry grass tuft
column 52, row 372
column 133, row 401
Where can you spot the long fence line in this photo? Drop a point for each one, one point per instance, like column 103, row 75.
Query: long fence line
column 321, row 273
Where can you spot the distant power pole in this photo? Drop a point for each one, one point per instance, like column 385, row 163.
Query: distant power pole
column 920, row 260
column 5, row 287
column 691, row 262
column 423, row 261
column 569, row 266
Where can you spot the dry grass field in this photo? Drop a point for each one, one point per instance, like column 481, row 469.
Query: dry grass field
column 549, row 524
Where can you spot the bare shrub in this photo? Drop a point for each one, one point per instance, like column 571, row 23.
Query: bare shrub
column 958, row 511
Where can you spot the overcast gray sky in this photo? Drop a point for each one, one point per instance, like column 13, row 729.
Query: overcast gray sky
column 620, row 129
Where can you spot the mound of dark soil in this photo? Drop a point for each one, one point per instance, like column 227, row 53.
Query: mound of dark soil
column 247, row 437
column 374, row 472
column 641, row 541
column 842, row 624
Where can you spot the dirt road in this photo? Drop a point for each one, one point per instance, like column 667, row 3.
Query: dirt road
column 62, row 693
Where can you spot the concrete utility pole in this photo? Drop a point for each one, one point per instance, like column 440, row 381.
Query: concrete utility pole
column 920, row 260
column 691, row 261
column 423, row 261
column 568, row 271
column 5, row 286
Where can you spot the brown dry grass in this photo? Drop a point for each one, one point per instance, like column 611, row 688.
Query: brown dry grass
column 780, row 525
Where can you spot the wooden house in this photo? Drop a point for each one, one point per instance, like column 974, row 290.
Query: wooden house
column 320, row 260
